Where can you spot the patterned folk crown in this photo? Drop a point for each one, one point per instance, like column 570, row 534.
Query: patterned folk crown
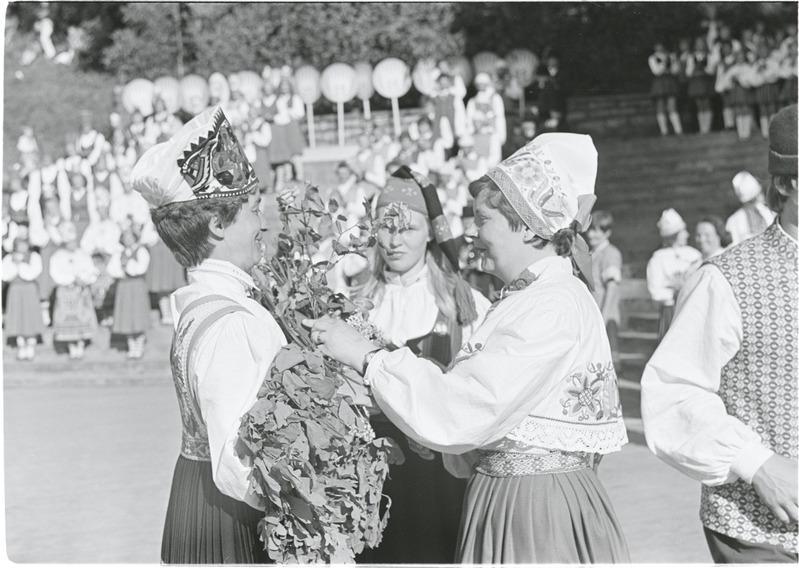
column 215, row 165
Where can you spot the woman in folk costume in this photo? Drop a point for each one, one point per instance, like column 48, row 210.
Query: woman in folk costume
column 72, row 270
column 664, row 89
column 287, row 139
column 754, row 216
column 700, row 70
column 420, row 302
column 711, row 239
column 131, row 301
column 669, row 266
column 531, row 400
column 205, row 205
column 485, row 115
column 23, row 316
column 766, row 81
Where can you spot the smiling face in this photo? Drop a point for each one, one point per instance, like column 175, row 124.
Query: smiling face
column 403, row 249
column 707, row 239
column 496, row 242
column 242, row 240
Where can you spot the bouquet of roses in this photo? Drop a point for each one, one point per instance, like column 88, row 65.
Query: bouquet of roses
column 316, row 463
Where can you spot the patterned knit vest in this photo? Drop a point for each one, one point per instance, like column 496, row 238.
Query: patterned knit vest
column 195, row 319
column 758, row 385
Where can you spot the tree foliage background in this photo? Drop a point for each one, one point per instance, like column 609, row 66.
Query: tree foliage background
column 603, row 46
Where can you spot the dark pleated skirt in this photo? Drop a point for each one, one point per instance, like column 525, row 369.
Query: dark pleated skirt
column 741, row 96
column 788, row 92
column 426, row 504
column 23, row 310
column 563, row 518
column 203, row 526
column 663, row 86
column 165, row 274
column 701, row 87
column 666, row 315
column 131, row 306
column 768, row 94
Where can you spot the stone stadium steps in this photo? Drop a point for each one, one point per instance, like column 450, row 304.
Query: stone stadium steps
column 640, row 177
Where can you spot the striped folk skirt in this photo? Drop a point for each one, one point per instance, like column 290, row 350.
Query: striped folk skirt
column 563, row 518
column 131, row 306
column 165, row 274
column 23, row 310
column 204, row 526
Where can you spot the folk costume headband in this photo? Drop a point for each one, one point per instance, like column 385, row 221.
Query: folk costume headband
column 203, row 160
column 550, row 183
column 401, row 187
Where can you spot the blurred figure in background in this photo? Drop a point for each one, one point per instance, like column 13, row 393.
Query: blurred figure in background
column 667, row 269
column 23, row 315
column 607, row 264
column 754, row 216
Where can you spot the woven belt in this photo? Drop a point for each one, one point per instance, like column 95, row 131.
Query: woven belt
column 506, row 464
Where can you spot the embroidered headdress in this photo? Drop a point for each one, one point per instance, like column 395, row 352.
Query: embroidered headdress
column 203, row 160
column 550, row 184
column 401, row 187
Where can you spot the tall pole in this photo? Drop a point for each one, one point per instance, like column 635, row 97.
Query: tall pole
column 179, row 36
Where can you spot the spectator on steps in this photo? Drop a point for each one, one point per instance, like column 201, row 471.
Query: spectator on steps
column 669, row 266
column 485, row 115
column 664, row 89
column 711, row 238
column 700, row 73
column 754, row 216
column 607, row 263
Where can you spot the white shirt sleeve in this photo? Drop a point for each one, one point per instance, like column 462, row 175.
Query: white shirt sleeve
column 685, row 421
column 31, row 269
column 9, row 268
column 138, row 264
column 501, row 130
column 62, row 270
column 487, row 393
column 657, row 280
column 233, row 358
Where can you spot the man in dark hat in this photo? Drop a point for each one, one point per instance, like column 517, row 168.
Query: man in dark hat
column 719, row 396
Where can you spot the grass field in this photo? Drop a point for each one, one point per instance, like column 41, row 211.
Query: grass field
column 49, row 98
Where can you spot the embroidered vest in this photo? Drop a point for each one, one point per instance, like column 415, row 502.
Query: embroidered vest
column 758, row 385
column 196, row 318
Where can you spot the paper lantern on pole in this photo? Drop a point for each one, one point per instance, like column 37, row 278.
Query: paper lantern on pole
column 392, row 79
column 462, row 67
column 522, row 64
column 138, row 96
column 486, row 62
column 168, row 89
column 424, row 76
column 250, row 84
column 307, row 85
column 363, row 78
column 193, row 94
column 218, row 88
column 339, row 86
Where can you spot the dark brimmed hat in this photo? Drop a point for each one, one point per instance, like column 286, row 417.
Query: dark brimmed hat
column 782, row 151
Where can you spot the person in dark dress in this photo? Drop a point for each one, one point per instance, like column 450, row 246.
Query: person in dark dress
column 205, row 207
column 412, row 288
